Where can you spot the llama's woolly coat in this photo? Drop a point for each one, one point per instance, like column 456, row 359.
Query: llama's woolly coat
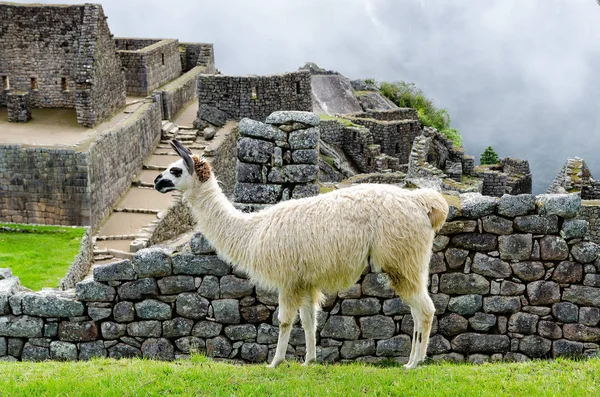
column 325, row 241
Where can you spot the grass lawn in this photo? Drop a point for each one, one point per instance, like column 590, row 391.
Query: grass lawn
column 201, row 376
column 41, row 255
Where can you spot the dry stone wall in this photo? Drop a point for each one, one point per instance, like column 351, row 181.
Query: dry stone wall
column 277, row 160
column 63, row 56
column 254, row 97
column 511, row 278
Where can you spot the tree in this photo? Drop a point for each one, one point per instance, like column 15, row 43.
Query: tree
column 488, row 156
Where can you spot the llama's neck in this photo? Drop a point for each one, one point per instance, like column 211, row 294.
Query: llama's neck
column 226, row 228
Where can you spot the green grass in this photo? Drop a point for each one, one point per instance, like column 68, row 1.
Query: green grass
column 41, row 255
column 344, row 122
column 202, row 377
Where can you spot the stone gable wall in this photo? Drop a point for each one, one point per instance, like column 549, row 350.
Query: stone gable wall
column 50, row 43
column 511, row 278
column 234, row 95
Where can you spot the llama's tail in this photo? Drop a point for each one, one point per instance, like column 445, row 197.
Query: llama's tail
column 436, row 206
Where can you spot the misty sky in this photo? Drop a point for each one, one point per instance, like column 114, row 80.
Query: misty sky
column 520, row 75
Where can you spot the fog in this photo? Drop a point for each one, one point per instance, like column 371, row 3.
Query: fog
column 521, row 76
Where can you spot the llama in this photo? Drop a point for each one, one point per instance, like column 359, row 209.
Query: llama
column 322, row 243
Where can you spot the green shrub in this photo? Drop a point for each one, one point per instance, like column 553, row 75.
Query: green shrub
column 488, row 156
column 408, row 95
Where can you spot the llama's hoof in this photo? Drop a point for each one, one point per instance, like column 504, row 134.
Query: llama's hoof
column 274, row 363
column 309, row 362
column 411, row 365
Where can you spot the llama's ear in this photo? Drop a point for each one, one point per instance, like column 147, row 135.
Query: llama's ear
column 184, row 153
column 202, row 169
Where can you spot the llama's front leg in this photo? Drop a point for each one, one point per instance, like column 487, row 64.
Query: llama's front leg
column 308, row 315
column 287, row 315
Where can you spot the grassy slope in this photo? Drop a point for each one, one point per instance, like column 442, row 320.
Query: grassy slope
column 201, row 376
column 41, row 258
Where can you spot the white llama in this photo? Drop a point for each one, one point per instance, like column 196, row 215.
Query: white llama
column 323, row 243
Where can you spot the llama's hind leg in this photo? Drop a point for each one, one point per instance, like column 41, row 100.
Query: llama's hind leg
column 308, row 315
column 422, row 309
column 287, row 315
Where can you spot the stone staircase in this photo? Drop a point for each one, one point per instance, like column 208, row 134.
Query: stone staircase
column 134, row 218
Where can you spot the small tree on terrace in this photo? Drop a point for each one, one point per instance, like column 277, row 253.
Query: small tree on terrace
column 488, row 156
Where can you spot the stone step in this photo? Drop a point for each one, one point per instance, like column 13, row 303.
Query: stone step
column 117, row 237
column 154, row 168
column 174, row 130
column 136, row 210
column 167, row 127
column 100, row 258
column 147, row 177
column 116, row 248
column 142, row 197
column 125, row 223
column 161, row 160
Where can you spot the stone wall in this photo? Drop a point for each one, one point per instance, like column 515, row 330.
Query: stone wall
column 44, row 186
column 18, row 106
column 180, row 92
column 80, row 267
column 255, row 97
column 63, row 56
column 394, row 137
column 151, row 66
column 197, row 54
column 511, row 278
column 66, row 187
column 277, row 160
column 388, row 115
column 117, row 155
column 510, row 176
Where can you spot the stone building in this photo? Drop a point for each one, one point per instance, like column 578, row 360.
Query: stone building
column 235, row 97
column 59, row 57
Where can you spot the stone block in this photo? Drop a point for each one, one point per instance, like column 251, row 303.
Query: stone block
column 158, row 349
column 77, row 331
column 53, row 304
column 528, row 271
column 257, row 193
column 138, row 289
column 93, row 291
column 568, row 273
column 563, row 205
column 516, row 205
column 176, row 284
column 151, row 309
column 515, row 247
column 177, row 327
column 290, row 116
column 491, row 267
column 480, row 343
column 476, row 242
column 462, row 284
column 152, row 262
column 543, row 292
column 116, row 271
column 553, row 248
column 226, row 311
column 199, row 265
column 465, row 305
column 191, row 305
column 341, row 327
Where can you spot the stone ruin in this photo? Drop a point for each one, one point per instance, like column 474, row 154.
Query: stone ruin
column 277, row 160
column 575, row 177
column 55, row 56
column 434, row 157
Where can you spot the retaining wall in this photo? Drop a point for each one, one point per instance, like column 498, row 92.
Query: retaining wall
column 67, row 187
column 511, row 278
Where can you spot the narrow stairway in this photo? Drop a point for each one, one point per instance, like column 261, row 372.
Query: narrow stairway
column 131, row 223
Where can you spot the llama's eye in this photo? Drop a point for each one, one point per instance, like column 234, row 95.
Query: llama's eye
column 176, row 172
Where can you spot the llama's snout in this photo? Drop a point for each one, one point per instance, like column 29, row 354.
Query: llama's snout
column 163, row 185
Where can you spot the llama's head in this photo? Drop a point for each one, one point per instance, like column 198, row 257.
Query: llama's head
column 182, row 174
